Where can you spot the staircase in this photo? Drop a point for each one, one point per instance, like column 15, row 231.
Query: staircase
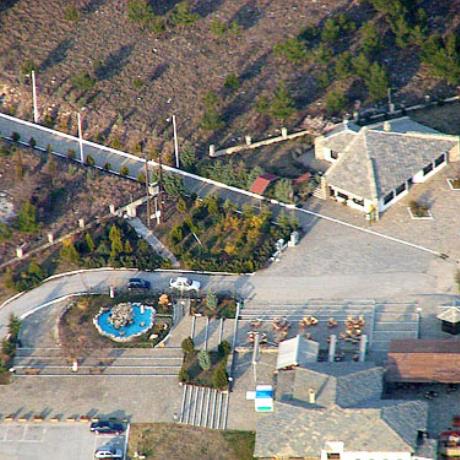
column 394, row 321
column 204, row 407
column 145, row 362
column 318, row 193
column 208, row 333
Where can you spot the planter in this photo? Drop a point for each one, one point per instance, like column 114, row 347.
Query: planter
column 451, row 184
column 429, row 216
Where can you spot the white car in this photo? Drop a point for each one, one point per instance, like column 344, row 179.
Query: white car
column 108, row 452
column 184, row 284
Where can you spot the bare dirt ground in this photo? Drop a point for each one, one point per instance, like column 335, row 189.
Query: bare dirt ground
column 142, row 79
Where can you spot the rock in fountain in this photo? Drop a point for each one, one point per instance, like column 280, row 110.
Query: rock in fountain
column 121, row 315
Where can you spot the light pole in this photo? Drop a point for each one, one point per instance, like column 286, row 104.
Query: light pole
column 80, row 138
column 146, row 184
column 176, row 142
column 34, row 97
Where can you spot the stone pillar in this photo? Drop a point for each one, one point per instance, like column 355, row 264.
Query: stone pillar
column 323, row 187
column 248, row 140
column 212, row 150
column 284, row 133
column 362, row 348
column 19, row 252
column 75, row 366
column 112, row 209
column 81, row 223
column 311, row 396
column 131, row 210
column 111, row 292
column 332, row 346
column 50, row 237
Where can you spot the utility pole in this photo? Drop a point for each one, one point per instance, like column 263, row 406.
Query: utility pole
column 176, row 142
column 34, row 97
column 255, row 355
column 80, row 138
column 159, row 207
column 147, row 188
column 391, row 107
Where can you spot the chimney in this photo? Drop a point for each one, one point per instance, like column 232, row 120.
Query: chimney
column 311, row 396
column 387, row 126
column 332, row 344
column 362, row 348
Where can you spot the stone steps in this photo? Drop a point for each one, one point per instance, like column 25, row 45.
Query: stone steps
column 204, row 407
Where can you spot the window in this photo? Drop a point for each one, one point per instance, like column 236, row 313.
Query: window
column 440, row 160
column 343, row 196
column 333, row 456
column 334, row 155
column 427, row 169
column 388, row 198
column 359, row 203
column 401, row 188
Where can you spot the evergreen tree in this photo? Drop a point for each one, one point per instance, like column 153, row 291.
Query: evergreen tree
column 128, row 249
column 115, row 241
column 69, row 253
column 377, row 82
column 89, row 243
column 370, row 39
column 27, row 218
column 204, row 360
column 282, row 105
column 220, row 377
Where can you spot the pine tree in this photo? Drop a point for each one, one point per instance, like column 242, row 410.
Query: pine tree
column 89, row 243
column 282, row 105
column 115, row 240
column 377, row 82
column 128, row 249
column 204, row 360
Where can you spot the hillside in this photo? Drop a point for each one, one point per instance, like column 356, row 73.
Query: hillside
column 226, row 68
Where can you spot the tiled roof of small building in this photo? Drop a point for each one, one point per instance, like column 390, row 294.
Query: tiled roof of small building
column 375, row 161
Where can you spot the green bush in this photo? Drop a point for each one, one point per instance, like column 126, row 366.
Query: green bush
column 124, row 170
column 89, row 160
column 28, row 66
column 218, row 27
column 184, row 375
column 83, row 81
column 283, row 190
column 107, row 166
column 182, row 16
column 370, row 39
column 71, row 14
column 15, row 136
column 188, row 346
column 232, row 82
column 343, row 65
column 71, row 154
column 5, row 232
column 292, row 49
column 32, row 142
column 141, row 177
column 173, row 185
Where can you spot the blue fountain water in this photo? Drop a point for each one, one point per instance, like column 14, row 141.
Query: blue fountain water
column 141, row 323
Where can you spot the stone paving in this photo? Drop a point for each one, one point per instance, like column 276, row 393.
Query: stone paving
column 441, row 234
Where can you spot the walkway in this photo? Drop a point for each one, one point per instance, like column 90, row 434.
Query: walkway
column 143, row 232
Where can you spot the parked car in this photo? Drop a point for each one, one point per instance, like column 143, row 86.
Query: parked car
column 107, row 427
column 184, row 284
column 138, row 283
column 108, row 452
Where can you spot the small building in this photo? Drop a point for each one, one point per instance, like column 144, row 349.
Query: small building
column 260, row 185
column 375, row 166
column 423, row 361
column 450, row 320
column 296, row 352
column 334, row 411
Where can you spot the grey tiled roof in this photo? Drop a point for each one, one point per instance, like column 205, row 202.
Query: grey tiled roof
column 343, row 384
column 348, row 409
column 451, row 315
column 298, row 432
column 374, row 162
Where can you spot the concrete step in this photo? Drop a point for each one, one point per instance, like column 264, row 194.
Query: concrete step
column 396, row 326
column 102, row 353
column 204, row 407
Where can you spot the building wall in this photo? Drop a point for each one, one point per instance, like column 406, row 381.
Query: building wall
column 320, row 148
column 454, row 153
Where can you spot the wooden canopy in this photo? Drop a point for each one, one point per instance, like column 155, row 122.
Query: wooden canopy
column 424, row 361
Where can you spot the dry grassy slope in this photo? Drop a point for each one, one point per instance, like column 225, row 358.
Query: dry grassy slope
column 181, row 66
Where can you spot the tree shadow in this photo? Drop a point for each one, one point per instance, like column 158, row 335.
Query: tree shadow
column 248, row 15
column 93, row 6
column 158, row 71
column 207, row 7
column 114, row 63
column 163, row 7
column 57, row 55
column 6, row 4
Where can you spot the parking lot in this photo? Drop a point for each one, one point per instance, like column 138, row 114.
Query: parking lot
column 46, row 441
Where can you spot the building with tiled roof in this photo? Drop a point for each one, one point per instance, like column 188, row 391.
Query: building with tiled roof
column 375, row 166
column 334, row 411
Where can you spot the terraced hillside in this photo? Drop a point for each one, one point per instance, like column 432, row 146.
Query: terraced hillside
column 226, row 68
